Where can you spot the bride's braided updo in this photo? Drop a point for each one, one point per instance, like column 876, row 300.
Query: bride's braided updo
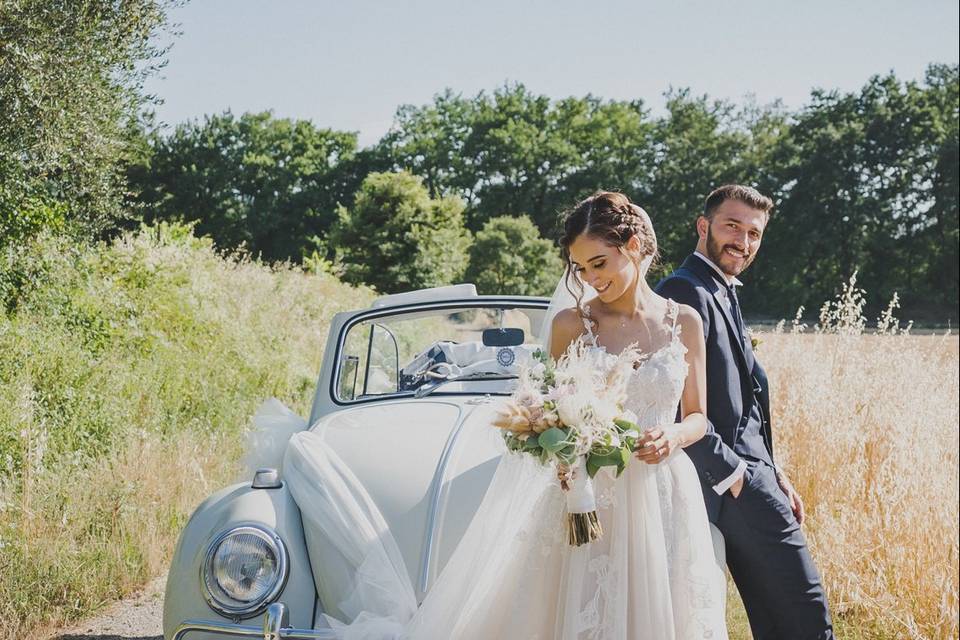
column 611, row 217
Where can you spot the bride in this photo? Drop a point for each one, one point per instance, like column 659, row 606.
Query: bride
column 653, row 575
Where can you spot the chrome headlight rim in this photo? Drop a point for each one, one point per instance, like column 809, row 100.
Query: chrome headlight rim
column 254, row 608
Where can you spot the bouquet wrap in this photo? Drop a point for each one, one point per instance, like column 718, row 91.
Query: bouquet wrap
column 583, row 526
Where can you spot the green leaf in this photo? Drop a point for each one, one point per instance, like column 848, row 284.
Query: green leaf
column 624, row 460
column 592, row 466
column 610, row 458
column 567, row 455
column 553, row 439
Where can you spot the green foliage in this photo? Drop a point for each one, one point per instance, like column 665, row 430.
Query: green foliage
column 94, row 327
column 267, row 184
column 865, row 180
column 31, row 217
column 395, row 237
column 553, row 440
column 700, row 144
column 868, row 184
column 128, row 376
column 508, row 256
column 70, row 79
column 615, row 454
column 516, row 151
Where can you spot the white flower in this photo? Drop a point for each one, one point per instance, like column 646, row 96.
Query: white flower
column 573, row 407
column 604, row 411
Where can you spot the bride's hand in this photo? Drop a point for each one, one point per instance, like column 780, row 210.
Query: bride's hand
column 658, row 443
column 564, row 475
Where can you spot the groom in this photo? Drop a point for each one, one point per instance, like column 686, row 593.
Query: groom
column 748, row 498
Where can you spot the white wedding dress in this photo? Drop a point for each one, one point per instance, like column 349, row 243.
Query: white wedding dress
column 652, row 576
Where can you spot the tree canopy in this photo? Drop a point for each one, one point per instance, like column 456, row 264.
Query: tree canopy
column 863, row 180
column 71, row 76
column 268, row 184
column 396, row 237
column 508, row 256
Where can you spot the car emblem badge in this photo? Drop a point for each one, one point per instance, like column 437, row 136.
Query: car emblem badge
column 506, row 357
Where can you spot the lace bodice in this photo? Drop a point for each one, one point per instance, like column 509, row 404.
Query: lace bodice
column 658, row 379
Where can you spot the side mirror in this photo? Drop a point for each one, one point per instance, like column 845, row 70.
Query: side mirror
column 508, row 337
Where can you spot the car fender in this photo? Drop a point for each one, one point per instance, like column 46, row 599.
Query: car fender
column 233, row 506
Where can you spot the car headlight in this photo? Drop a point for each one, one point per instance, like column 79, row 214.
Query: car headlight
column 244, row 570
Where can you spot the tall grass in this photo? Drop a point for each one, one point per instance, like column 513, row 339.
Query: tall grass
column 127, row 374
column 866, row 424
column 128, row 371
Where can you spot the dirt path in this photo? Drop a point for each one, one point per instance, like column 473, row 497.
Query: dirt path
column 136, row 618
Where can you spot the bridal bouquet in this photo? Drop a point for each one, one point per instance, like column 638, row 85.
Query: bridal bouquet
column 571, row 413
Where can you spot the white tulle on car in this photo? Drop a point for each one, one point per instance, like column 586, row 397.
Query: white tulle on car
column 653, row 575
column 273, row 425
column 357, row 567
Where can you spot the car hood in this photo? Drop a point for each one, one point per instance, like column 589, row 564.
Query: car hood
column 426, row 463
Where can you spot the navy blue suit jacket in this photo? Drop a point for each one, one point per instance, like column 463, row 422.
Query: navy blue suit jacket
column 738, row 400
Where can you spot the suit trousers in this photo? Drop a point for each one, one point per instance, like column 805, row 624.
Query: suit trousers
column 767, row 556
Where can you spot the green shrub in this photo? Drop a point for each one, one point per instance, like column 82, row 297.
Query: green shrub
column 508, row 256
column 397, row 238
column 128, row 376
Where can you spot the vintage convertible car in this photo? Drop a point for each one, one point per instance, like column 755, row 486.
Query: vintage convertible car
column 405, row 395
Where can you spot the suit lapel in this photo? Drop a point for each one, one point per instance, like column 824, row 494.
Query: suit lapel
column 699, row 268
column 702, row 271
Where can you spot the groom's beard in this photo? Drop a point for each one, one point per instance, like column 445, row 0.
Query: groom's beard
column 717, row 255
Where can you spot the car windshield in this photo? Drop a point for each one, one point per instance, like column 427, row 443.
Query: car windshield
column 475, row 349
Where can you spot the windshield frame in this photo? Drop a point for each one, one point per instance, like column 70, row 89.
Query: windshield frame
column 482, row 302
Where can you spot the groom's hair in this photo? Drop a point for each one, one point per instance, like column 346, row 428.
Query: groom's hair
column 747, row 195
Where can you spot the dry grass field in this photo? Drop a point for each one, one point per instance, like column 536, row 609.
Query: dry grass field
column 866, row 425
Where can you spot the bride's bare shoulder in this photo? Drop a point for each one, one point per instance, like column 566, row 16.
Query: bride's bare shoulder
column 567, row 327
column 567, row 320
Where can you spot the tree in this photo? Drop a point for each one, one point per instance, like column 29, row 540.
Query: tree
column 270, row 184
column 395, row 237
column 435, row 142
column 869, row 185
column 699, row 145
column 508, row 256
column 513, row 150
column 942, row 98
column 71, row 77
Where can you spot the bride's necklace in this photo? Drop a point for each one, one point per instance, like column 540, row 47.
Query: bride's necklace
column 624, row 320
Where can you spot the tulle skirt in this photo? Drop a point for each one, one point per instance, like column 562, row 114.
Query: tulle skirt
column 653, row 575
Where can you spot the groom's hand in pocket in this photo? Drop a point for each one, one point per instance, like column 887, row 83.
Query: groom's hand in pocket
column 796, row 503
column 737, row 486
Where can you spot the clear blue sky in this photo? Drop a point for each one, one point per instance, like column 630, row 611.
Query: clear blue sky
column 349, row 65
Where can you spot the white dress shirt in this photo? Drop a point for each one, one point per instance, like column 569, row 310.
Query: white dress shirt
column 732, row 281
column 727, row 482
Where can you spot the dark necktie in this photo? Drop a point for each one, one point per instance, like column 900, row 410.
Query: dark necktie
column 741, row 327
column 735, row 311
